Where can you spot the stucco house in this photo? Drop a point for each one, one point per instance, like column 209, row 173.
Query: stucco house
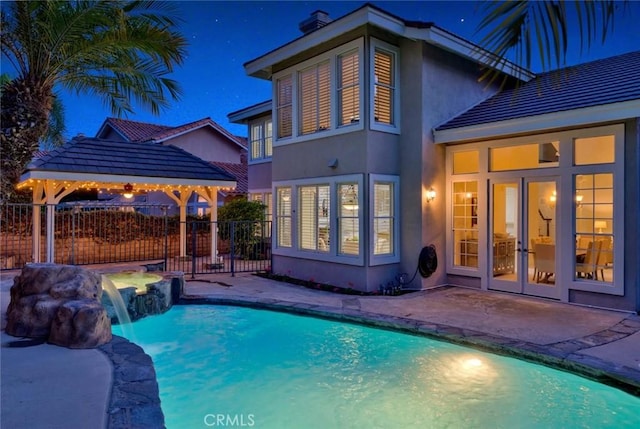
column 203, row 138
column 381, row 140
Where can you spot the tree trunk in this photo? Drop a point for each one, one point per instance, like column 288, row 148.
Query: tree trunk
column 25, row 114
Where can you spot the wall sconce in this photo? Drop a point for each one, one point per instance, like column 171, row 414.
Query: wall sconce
column 128, row 191
column 553, row 198
column 579, row 198
column 430, row 194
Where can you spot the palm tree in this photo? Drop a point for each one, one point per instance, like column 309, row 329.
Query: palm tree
column 119, row 51
column 527, row 28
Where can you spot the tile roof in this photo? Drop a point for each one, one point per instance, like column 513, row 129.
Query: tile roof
column 89, row 155
column 606, row 81
column 143, row 132
column 239, row 171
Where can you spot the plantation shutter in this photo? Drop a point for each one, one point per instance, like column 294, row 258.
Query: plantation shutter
column 348, row 88
column 315, row 99
column 308, row 221
column 284, row 216
column 284, row 106
column 384, row 89
column 383, row 218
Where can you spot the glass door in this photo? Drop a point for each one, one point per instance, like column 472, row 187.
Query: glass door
column 540, row 237
column 505, row 236
column 522, row 236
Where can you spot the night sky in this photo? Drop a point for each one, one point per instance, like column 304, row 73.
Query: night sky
column 224, row 35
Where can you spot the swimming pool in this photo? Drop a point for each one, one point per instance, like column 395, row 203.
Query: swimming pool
column 232, row 366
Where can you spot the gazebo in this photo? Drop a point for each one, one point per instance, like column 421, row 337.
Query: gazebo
column 91, row 163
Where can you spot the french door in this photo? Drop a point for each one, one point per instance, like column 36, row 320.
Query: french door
column 523, row 236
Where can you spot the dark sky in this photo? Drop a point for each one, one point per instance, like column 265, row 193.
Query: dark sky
column 223, row 35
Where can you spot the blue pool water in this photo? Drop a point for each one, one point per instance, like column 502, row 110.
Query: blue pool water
column 230, row 366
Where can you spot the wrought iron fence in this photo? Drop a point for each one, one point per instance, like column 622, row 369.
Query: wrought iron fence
column 106, row 234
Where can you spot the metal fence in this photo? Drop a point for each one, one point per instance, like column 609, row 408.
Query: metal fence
column 146, row 234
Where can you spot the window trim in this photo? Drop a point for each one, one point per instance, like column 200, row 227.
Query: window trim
column 333, row 254
column 394, row 257
column 332, row 57
column 378, row 126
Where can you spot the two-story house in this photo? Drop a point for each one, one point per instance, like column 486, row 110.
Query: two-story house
column 381, row 140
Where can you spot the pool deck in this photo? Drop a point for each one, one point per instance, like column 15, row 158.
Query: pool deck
column 72, row 388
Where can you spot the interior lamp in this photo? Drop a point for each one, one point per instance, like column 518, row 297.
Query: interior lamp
column 430, row 194
column 128, row 191
column 600, row 225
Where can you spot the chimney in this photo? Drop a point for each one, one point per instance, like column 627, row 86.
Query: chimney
column 318, row 19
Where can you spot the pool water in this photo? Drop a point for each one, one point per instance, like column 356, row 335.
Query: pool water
column 233, row 366
column 136, row 279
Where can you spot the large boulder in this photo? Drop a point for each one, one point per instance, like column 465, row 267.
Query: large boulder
column 61, row 303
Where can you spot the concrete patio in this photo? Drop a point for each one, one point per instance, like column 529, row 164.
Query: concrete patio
column 601, row 344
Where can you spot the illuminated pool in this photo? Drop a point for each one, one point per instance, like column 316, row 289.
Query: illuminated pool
column 234, row 365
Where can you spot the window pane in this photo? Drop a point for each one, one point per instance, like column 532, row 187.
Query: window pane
column 256, row 141
column 384, row 86
column 348, row 88
column 538, row 155
column 383, row 218
column 313, row 217
column 594, row 150
column 594, row 227
column 284, row 104
column 315, row 99
column 349, row 218
column 283, row 208
column 465, row 223
column 268, row 139
column 466, row 162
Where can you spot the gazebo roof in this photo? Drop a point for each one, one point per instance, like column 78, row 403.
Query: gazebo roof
column 99, row 161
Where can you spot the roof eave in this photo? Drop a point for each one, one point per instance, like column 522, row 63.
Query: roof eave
column 114, row 178
column 261, row 67
column 242, row 116
column 540, row 123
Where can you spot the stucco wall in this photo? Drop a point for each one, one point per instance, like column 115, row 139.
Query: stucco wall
column 259, row 176
column 207, row 144
column 435, row 85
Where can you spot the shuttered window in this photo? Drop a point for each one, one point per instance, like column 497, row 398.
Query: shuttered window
column 383, row 218
column 348, row 89
column 384, row 86
column 313, row 221
column 315, row 99
column 349, row 218
column 283, row 216
column 284, row 93
column 256, row 141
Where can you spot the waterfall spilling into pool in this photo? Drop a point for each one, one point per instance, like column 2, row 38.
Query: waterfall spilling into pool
column 220, row 365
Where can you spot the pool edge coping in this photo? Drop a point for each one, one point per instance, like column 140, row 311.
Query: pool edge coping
column 563, row 355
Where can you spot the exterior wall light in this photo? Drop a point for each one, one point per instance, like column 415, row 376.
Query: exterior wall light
column 430, row 195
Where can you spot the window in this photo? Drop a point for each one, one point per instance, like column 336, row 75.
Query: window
column 466, row 162
column 465, row 223
column 315, row 99
column 528, row 156
column 594, row 150
column 384, row 86
column 384, row 206
column 265, row 199
column 261, row 140
column 383, row 218
column 284, row 106
column 348, row 88
column 320, row 95
column 349, row 219
column 594, row 227
column 283, row 217
column 314, row 227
